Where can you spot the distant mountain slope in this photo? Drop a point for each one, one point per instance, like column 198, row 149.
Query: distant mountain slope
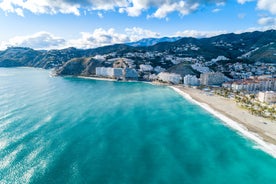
column 79, row 66
column 18, row 56
column 229, row 45
column 152, row 41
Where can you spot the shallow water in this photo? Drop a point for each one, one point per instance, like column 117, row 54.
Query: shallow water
column 70, row 130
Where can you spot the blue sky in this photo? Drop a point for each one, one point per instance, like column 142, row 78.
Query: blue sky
column 47, row 24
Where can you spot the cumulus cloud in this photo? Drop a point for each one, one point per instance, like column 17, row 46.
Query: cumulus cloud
column 98, row 37
column 101, row 37
column 182, row 7
column 267, row 21
column 164, row 7
column 40, row 40
column 269, row 5
column 131, row 7
column 40, row 7
column 161, row 8
column 199, row 34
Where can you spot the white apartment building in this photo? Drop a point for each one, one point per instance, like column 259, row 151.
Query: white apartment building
column 109, row 72
column 190, row 80
column 169, row 77
column 267, row 97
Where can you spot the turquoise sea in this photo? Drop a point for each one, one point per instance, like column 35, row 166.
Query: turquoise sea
column 71, row 130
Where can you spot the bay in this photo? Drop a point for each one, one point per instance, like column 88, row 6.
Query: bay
column 72, row 130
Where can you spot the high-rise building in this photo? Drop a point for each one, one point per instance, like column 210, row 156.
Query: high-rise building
column 190, row 80
column 169, row 77
column 212, row 78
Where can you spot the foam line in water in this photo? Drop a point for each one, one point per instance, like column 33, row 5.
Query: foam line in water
column 265, row 146
column 26, row 178
column 7, row 160
column 33, row 129
column 3, row 144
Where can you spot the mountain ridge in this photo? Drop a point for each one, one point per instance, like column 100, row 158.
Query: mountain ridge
column 252, row 46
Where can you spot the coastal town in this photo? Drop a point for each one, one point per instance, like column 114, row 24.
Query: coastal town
column 230, row 76
column 138, row 92
column 252, row 86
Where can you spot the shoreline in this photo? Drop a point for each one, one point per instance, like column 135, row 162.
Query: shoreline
column 265, row 139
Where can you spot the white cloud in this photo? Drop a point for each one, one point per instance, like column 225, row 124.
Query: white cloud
column 221, row 3
column 39, row 7
column 40, row 40
column 199, row 34
column 164, row 7
column 216, row 10
column 182, row 7
column 102, row 37
column 99, row 37
column 59, row 6
column 19, row 12
column 137, row 33
column 244, row 1
column 267, row 21
column 100, row 15
column 131, row 7
column 269, row 5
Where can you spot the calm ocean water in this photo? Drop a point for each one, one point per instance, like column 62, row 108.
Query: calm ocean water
column 70, row 130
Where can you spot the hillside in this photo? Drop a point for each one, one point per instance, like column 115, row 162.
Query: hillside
column 248, row 47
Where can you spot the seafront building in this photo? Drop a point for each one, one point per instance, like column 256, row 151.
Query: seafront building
column 169, row 77
column 212, row 78
column 267, row 97
column 190, row 80
column 130, row 74
column 117, row 73
column 252, row 85
column 109, row 72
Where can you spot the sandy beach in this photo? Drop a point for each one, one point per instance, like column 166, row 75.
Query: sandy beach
column 262, row 131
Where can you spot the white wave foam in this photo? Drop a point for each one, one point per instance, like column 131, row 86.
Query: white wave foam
column 26, row 178
column 7, row 122
column 3, row 144
column 41, row 123
column 7, row 160
column 265, row 146
column 33, row 155
column 35, row 127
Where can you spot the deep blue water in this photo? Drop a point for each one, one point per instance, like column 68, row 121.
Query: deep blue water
column 71, row 130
